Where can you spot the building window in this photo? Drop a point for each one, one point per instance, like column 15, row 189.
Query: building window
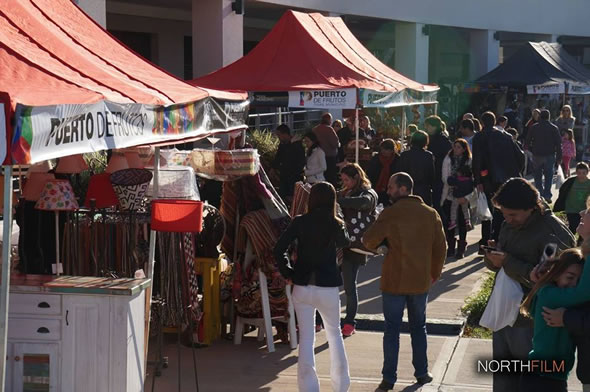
column 140, row 43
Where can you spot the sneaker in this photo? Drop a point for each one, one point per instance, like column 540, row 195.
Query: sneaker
column 318, row 328
column 385, row 386
column 425, row 379
column 348, row 330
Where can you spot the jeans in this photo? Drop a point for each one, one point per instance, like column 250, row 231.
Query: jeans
column 510, row 343
column 306, row 299
column 350, row 271
column 393, row 310
column 544, row 166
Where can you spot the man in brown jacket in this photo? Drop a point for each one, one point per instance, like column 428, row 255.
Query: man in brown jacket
column 415, row 238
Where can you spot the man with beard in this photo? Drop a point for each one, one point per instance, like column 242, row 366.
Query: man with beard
column 414, row 235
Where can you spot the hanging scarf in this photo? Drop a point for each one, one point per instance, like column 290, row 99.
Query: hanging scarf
column 385, row 173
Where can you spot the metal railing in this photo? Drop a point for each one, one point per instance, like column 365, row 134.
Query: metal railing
column 297, row 120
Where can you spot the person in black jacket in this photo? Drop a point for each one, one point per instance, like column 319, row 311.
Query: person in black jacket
column 496, row 158
column 439, row 145
column 381, row 167
column 419, row 164
column 316, row 278
column 544, row 141
column 356, row 196
column 289, row 161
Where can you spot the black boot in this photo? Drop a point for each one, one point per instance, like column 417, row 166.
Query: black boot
column 451, row 246
column 461, row 250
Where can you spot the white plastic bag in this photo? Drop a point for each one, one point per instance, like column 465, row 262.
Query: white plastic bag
column 483, row 210
column 559, row 177
column 504, row 304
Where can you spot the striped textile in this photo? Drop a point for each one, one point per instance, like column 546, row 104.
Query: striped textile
column 263, row 235
column 300, row 198
column 191, row 275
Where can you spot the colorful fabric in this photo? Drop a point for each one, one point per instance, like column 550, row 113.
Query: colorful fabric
column 300, row 198
column 568, row 147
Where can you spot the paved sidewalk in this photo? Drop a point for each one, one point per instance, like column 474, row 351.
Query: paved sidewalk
column 248, row 367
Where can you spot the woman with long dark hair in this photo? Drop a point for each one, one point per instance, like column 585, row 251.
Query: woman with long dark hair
column 356, row 195
column 316, row 280
column 315, row 165
column 563, row 282
column 456, row 164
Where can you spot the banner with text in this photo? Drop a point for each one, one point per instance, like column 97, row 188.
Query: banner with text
column 578, row 89
column 381, row 99
column 549, row 88
column 47, row 132
column 323, row 99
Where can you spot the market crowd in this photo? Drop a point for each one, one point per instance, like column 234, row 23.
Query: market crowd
column 415, row 207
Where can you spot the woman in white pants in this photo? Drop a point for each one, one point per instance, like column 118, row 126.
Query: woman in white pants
column 316, row 279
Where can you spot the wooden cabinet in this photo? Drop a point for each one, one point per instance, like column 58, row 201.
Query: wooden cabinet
column 75, row 342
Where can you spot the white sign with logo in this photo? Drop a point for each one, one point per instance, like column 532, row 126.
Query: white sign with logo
column 578, row 89
column 553, row 88
column 323, row 99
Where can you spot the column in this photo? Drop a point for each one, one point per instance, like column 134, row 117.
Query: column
column 96, row 9
column 411, row 50
column 218, row 35
column 171, row 52
column 485, row 52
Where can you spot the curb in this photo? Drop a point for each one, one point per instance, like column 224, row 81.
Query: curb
column 376, row 322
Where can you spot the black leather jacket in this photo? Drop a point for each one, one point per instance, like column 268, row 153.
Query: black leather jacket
column 318, row 235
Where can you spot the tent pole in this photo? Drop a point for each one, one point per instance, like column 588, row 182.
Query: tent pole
column 404, row 127
column 5, row 286
column 151, row 261
column 356, row 127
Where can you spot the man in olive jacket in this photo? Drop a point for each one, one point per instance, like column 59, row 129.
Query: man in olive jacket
column 528, row 227
column 417, row 248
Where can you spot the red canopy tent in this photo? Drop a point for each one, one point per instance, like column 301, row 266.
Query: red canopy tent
column 61, row 69
column 68, row 87
column 314, row 52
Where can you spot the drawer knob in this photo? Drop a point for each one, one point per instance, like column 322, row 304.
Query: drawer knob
column 17, row 358
column 43, row 330
column 43, row 305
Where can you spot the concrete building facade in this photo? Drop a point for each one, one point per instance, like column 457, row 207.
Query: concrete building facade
column 429, row 40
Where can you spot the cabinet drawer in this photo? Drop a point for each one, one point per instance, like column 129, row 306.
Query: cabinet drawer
column 38, row 329
column 35, row 304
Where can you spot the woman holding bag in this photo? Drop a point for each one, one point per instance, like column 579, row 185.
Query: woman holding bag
column 316, row 279
column 356, row 196
column 456, row 162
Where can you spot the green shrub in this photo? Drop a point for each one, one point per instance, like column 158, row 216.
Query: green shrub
column 475, row 306
column 267, row 145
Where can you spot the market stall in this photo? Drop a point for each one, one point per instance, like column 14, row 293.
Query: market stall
column 68, row 88
column 319, row 64
column 545, row 75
